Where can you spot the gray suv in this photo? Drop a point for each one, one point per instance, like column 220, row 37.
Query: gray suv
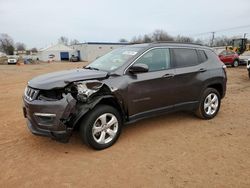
column 123, row 86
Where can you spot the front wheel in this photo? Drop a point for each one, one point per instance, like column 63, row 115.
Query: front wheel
column 209, row 104
column 101, row 127
column 235, row 63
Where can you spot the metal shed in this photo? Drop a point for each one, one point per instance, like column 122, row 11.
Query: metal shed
column 90, row 51
column 58, row 52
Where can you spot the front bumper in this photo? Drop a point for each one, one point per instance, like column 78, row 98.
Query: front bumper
column 55, row 126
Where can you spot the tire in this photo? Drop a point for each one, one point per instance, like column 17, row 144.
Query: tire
column 235, row 63
column 97, row 120
column 206, row 109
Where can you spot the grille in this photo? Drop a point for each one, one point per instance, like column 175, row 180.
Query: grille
column 30, row 93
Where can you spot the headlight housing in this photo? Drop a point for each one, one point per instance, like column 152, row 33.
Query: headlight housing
column 87, row 88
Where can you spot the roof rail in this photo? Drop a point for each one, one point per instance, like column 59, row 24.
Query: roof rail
column 174, row 42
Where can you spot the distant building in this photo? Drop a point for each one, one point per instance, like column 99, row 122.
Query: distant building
column 90, row 51
column 58, row 52
column 84, row 51
column 2, row 54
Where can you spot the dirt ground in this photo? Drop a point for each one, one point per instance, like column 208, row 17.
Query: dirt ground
column 175, row 150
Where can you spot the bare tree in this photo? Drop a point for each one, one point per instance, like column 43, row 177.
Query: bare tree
column 185, row 39
column 6, row 44
column 147, row 39
column 34, row 50
column 20, row 46
column 160, row 35
column 222, row 41
column 74, row 41
column 63, row 40
column 136, row 40
column 199, row 41
column 123, row 40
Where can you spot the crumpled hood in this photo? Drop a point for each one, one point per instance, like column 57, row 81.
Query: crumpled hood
column 62, row 78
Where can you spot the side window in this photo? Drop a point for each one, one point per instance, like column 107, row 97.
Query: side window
column 156, row 59
column 185, row 57
column 202, row 56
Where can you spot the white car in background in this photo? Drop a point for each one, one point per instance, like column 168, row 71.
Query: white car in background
column 12, row 59
column 245, row 58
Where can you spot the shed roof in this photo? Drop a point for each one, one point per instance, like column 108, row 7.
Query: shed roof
column 105, row 43
column 57, row 47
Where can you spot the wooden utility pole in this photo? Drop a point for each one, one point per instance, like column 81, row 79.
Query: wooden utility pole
column 212, row 40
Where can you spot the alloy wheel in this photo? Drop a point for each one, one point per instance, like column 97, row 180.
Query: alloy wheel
column 211, row 104
column 105, row 128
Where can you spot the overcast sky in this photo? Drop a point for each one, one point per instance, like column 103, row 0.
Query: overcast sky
column 40, row 23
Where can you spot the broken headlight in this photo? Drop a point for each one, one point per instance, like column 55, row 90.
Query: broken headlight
column 51, row 95
column 87, row 88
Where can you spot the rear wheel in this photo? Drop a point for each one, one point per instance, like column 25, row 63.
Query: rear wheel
column 235, row 63
column 209, row 104
column 101, row 127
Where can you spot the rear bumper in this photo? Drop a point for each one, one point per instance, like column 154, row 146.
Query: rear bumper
column 40, row 123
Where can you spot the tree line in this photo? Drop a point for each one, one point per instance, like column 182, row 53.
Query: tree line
column 161, row 35
column 7, row 44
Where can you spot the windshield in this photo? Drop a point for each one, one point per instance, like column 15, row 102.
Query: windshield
column 114, row 59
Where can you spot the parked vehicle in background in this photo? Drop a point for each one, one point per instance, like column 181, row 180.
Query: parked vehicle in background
column 74, row 58
column 12, row 60
column 245, row 57
column 123, row 86
column 229, row 58
column 248, row 67
column 51, row 58
column 240, row 45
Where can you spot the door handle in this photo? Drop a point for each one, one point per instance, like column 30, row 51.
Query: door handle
column 202, row 70
column 168, row 76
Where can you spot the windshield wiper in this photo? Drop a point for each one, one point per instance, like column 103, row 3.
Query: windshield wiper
column 91, row 68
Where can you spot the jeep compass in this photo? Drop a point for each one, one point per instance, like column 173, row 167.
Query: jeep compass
column 123, row 86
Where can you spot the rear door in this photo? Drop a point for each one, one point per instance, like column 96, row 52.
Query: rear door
column 188, row 74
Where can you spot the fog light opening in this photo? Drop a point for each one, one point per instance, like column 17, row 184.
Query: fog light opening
column 45, row 118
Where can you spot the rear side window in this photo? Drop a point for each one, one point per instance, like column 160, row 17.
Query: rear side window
column 202, row 56
column 185, row 57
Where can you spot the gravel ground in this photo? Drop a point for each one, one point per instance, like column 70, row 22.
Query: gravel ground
column 175, row 150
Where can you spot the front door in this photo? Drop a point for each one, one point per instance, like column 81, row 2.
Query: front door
column 152, row 90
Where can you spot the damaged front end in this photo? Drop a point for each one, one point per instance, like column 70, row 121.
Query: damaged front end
column 55, row 112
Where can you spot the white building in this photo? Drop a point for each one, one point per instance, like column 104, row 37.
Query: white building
column 58, row 52
column 2, row 54
column 92, row 50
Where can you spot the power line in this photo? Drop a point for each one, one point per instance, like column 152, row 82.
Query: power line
column 217, row 31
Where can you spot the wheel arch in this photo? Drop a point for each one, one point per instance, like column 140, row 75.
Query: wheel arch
column 106, row 99
column 218, row 87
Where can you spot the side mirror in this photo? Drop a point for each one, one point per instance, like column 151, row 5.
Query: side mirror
column 138, row 68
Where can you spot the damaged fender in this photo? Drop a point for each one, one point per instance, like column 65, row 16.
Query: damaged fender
column 89, row 94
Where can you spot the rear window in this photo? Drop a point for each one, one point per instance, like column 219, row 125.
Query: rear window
column 202, row 56
column 185, row 57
